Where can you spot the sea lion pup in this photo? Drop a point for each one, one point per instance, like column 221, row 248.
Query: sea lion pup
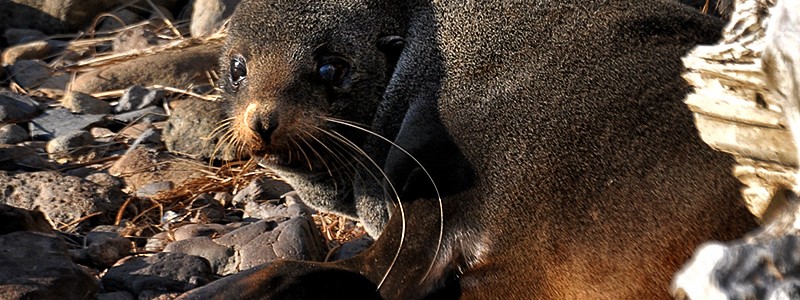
column 567, row 165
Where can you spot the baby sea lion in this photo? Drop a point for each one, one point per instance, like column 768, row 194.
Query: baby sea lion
column 533, row 149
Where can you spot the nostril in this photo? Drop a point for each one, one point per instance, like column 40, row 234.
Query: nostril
column 264, row 126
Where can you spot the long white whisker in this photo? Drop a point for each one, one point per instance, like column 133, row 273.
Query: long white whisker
column 336, row 156
column 399, row 204
column 343, row 140
column 321, row 159
column 300, row 149
column 438, row 196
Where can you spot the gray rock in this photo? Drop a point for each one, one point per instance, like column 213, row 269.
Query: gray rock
column 157, row 242
column 106, row 246
column 762, row 270
column 36, row 163
column 150, row 136
column 266, row 210
column 14, row 157
column 56, row 122
column 162, row 272
column 36, row 266
column 179, row 68
column 352, row 248
column 288, row 206
column 249, row 232
column 153, row 188
column 30, row 74
column 78, row 102
column 104, row 179
column 14, row 219
column 294, row 239
column 261, row 188
column 29, row 51
column 64, row 199
column 57, row 82
column 209, row 15
column 140, row 166
column 101, row 133
column 137, row 97
column 14, row 152
column 190, row 130
column 207, row 209
column 101, row 233
column 150, row 114
column 70, row 146
column 135, row 130
column 12, row 134
column 219, row 257
column 11, row 155
column 16, row 36
column 15, row 107
column 251, row 245
column 81, row 172
column 188, row 231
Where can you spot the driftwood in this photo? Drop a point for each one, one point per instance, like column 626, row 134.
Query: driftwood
column 747, row 103
column 743, row 88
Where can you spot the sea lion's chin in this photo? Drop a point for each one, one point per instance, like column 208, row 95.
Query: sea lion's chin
column 285, row 163
column 277, row 161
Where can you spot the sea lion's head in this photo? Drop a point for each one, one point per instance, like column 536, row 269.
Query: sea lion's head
column 288, row 67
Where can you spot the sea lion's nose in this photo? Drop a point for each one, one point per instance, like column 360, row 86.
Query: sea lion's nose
column 264, row 125
column 261, row 122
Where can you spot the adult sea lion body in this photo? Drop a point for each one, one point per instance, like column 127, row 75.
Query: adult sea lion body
column 554, row 131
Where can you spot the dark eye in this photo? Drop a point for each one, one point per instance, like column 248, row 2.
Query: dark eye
column 333, row 72
column 238, row 71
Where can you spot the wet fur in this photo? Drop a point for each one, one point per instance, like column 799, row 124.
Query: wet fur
column 555, row 131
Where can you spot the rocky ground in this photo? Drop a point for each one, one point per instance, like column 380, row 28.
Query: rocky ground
column 111, row 184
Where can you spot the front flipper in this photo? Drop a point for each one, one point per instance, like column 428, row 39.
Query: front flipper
column 294, row 280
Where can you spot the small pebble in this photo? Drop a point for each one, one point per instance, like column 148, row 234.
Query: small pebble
column 137, row 97
column 150, row 114
column 15, row 107
column 12, row 134
column 161, row 272
column 78, row 102
column 60, row 121
column 27, row 51
column 157, row 242
column 153, row 188
column 69, row 146
column 30, row 74
column 197, row 230
column 261, row 189
column 104, row 179
column 16, row 36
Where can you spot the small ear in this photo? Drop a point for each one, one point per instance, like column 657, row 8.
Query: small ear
column 391, row 45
